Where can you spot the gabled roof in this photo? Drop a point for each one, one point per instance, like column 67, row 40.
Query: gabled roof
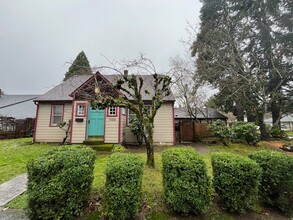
column 209, row 113
column 18, row 106
column 148, row 81
column 62, row 91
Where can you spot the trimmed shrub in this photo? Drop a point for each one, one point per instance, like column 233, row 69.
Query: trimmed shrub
column 276, row 132
column 236, row 181
column 276, row 186
column 59, row 183
column 245, row 132
column 221, row 131
column 123, row 185
column 187, row 187
column 118, row 148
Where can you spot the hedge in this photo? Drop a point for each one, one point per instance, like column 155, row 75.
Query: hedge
column 59, row 182
column 187, row 187
column 236, row 181
column 123, row 185
column 277, row 179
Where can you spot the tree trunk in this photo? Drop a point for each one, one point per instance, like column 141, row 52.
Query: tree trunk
column 150, row 156
column 239, row 111
column 276, row 113
column 150, row 149
column 251, row 117
column 262, row 127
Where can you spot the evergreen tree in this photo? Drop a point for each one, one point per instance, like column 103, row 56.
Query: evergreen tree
column 80, row 66
column 245, row 49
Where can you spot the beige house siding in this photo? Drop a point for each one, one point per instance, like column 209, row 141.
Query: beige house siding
column 111, row 127
column 122, row 124
column 45, row 132
column 79, row 128
column 163, row 127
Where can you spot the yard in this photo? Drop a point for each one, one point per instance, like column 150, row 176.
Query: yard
column 15, row 154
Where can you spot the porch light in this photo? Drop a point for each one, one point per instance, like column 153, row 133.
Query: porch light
column 97, row 90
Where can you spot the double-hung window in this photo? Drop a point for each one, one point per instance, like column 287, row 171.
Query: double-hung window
column 131, row 114
column 57, row 114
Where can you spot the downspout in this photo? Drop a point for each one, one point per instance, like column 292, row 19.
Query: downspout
column 36, row 121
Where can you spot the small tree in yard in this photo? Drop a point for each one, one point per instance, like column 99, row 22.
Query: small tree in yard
column 65, row 126
column 132, row 86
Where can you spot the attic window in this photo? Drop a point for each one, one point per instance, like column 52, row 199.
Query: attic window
column 56, row 114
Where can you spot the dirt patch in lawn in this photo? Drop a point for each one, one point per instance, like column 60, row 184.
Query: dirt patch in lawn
column 277, row 146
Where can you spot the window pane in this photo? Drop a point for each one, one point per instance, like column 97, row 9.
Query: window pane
column 56, row 119
column 57, row 110
column 80, row 109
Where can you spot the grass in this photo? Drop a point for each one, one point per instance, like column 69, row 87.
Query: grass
column 289, row 133
column 18, row 152
column 15, row 154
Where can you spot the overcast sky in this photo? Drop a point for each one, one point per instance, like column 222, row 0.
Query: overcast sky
column 38, row 37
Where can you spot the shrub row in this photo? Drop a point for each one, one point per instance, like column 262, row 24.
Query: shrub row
column 187, row 187
column 236, row 181
column 276, row 186
column 245, row 132
column 123, row 185
column 59, row 183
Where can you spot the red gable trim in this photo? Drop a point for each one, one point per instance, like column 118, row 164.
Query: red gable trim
column 90, row 80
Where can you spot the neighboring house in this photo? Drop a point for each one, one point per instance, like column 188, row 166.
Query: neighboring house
column 18, row 106
column 286, row 122
column 70, row 101
column 189, row 129
column 206, row 115
column 17, row 112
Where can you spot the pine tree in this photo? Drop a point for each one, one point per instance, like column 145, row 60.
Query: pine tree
column 80, row 66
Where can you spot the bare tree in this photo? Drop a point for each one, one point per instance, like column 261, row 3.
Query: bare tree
column 132, row 90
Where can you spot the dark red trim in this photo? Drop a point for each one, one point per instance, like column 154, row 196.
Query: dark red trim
column 174, row 134
column 76, row 109
column 105, row 125
column 62, row 117
column 72, row 121
column 127, row 112
column 35, row 124
column 86, row 121
column 118, row 91
column 91, row 79
column 119, row 125
column 108, row 111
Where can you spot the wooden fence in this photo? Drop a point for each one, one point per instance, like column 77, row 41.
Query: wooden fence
column 187, row 130
column 16, row 128
column 202, row 130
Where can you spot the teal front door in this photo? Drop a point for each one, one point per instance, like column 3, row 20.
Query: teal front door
column 96, row 120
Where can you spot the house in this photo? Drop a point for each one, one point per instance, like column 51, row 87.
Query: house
column 207, row 115
column 188, row 129
column 286, row 122
column 70, row 101
column 18, row 106
column 17, row 112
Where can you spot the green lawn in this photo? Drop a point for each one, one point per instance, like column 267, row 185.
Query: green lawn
column 15, row 154
column 18, row 152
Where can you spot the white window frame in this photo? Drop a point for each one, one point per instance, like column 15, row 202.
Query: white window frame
column 80, row 111
column 56, row 114
column 112, row 111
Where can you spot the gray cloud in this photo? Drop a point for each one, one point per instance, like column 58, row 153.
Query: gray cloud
column 37, row 38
